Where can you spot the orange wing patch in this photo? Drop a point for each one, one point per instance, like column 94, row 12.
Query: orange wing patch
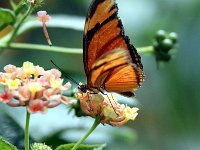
column 104, row 64
column 122, row 79
column 113, row 72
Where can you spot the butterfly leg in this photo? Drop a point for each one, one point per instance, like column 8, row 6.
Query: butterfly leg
column 109, row 100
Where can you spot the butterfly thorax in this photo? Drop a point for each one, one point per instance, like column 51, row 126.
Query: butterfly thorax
column 82, row 88
column 85, row 88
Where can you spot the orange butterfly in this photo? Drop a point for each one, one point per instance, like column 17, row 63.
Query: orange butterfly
column 111, row 63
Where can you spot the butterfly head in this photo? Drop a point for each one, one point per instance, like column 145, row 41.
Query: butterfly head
column 82, row 87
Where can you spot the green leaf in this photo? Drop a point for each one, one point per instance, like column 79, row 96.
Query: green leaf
column 6, row 17
column 81, row 147
column 4, row 145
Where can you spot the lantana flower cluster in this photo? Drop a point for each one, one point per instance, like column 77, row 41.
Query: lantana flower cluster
column 106, row 108
column 33, row 87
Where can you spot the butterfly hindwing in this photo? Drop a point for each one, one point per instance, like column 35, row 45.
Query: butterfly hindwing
column 114, row 72
column 103, row 66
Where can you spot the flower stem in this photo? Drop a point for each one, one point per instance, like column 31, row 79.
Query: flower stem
column 95, row 124
column 26, row 134
column 16, row 28
column 39, row 47
column 46, row 34
column 27, row 46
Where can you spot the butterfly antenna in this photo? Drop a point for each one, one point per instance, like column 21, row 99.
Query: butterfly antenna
column 110, row 100
column 65, row 74
column 112, row 104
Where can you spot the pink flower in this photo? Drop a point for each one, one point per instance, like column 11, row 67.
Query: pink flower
column 55, row 73
column 37, row 106
column 43, row 17
column 66, row 86
column 65, row 100
column 10, row 68
column 39, row 71
column 45, row 79
column 50, row 94
column 23, row 94
column 5, row 97
column 20, row 73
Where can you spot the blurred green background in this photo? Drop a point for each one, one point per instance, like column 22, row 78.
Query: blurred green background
column 169, row 100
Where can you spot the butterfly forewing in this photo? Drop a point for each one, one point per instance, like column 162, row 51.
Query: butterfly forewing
column 98, row 16
column 104, row 34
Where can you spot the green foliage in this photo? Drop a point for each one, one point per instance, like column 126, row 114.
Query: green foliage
column 81, row 147
column 6, row 17
column 4, row 145
column 19, row 8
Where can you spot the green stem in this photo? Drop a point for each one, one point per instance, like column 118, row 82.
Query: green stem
column 27, row 46
column 26, row 134
column 146, row 50
column 95, row 124
column 19, row 24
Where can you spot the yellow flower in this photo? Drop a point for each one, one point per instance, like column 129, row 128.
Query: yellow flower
column 109, row 113
column 56, row 83
column 13, row 84
column 4, row 77
column 34, row 87
column 131, row 113
column 28, row 68
column 97, row 98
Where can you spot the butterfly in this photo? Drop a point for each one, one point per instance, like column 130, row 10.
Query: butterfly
column 111, row 63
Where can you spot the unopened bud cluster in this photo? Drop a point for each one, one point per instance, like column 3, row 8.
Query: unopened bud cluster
column 163, row 44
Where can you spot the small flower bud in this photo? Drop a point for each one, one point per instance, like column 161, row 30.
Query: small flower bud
column 33, row 2
column 167, row 44
column 173, row 36
column 160, row 35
